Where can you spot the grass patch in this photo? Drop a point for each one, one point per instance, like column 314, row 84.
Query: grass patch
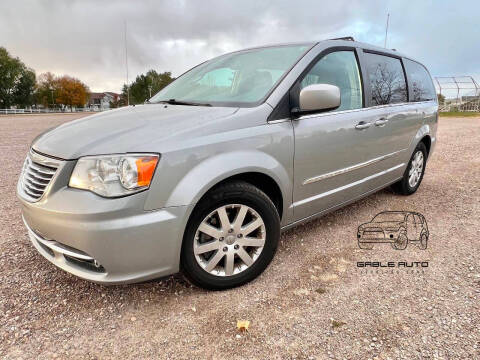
column 459, row 114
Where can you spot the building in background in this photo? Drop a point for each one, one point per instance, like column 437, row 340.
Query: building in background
column 103, row 100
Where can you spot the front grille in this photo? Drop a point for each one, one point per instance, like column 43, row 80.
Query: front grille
column 373, row 234
column 36, row 177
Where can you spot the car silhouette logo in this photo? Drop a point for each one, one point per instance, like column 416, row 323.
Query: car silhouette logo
column 398, row 228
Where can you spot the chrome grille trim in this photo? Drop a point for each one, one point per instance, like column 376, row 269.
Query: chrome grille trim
column 37, row 174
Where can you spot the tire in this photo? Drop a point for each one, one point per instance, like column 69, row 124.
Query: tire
column 401, row 242
column 229, row 200
column 405, row 186
column 423, row 241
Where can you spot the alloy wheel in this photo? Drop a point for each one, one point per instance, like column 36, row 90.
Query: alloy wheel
column 229, row 240
column 416, row 169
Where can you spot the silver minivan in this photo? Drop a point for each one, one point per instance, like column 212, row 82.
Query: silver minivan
column 205, row 176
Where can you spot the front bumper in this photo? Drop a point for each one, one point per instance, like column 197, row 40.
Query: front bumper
column 377, row 236
column 108, row 241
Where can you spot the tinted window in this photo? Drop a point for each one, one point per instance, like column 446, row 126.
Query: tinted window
column 386, row 78
column 420, row 82
column 340, row 69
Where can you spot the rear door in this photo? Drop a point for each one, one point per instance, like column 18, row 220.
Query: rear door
column 394, row 120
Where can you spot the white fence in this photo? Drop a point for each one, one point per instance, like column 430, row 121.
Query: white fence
column 47, row 111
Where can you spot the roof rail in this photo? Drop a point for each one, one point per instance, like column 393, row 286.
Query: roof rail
column 348, row 38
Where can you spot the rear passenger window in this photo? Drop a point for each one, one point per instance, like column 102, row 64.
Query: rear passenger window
column 386, row 78
column 420, row 82
column 341, row 69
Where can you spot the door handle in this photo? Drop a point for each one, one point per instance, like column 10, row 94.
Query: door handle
column 381, row 122
column 363, row 125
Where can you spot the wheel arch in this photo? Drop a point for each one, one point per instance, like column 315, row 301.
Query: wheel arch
column 254, row 167
column 427, row 141
column 260, row 180
column 424, row 136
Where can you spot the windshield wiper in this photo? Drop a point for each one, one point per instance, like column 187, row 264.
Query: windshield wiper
column 180, row 102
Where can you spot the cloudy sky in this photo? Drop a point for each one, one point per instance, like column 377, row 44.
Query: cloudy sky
column 85, row 38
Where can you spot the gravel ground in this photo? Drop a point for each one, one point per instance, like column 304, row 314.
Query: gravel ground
column 313, row 302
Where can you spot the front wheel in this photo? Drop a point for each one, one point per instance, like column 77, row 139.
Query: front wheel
column 231, row 237
column 401, row 242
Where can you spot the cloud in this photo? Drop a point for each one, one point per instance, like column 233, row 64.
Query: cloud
column 86, row 38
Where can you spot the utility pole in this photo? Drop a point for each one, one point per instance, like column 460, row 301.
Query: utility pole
column 126, row 63
column 386, row 32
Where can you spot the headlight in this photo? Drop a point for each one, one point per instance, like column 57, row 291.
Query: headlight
column 114, row 175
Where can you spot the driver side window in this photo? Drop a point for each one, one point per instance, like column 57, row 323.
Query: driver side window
column 340, row 69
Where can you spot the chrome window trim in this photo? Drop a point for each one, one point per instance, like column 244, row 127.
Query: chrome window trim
column 278, row 121
column 308, row 116
column 351, row 168
column 344, row 187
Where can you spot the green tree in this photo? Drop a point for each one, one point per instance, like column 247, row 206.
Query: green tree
column 147, row 85
column 17, row 82
column 46, row 89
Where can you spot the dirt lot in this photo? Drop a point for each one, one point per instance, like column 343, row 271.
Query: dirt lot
column 312, row 302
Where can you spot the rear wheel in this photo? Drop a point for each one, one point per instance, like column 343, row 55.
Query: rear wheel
column 231, row 237
column 413, row 175
column 423, row 241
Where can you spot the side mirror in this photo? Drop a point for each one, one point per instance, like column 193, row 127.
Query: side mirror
column 319, row 97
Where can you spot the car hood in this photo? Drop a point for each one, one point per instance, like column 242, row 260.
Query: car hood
column 129, row 129
column 382, row 225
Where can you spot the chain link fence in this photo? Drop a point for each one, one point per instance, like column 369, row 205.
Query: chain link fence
column 458, row 93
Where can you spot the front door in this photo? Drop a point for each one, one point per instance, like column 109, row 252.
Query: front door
column 332, row 149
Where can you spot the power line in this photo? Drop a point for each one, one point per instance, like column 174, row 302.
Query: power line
column 386, row 32
column 126, row 63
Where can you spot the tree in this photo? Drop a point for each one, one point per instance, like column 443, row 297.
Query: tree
column 441, row 99
column 17, row 82
column 71, row 91
column 46, row 90
column 61, row 90
column 147, row 85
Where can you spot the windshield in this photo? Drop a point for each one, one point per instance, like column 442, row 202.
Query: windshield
column 384, row 217
column 239, row 79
